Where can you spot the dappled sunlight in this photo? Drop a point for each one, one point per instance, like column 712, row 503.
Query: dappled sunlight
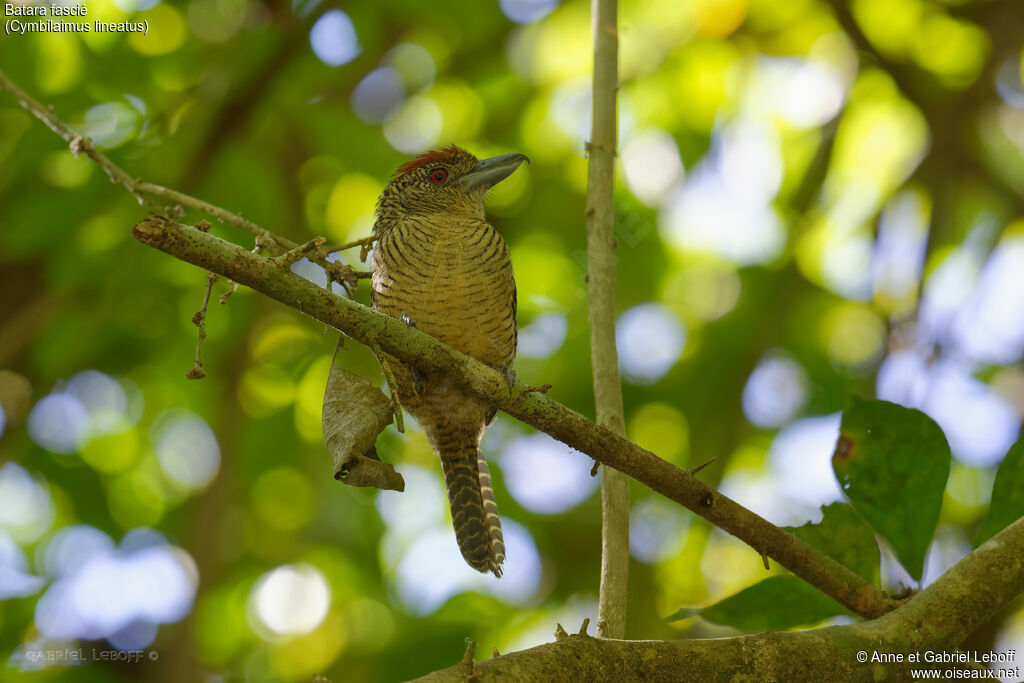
column 334, row 38
column 898, row 258
column 546, row 476
column 379, row 96
column 650, row 341
column 986, row 329
column 652, row 166
column 775, row 391
column 59, row 423
column 852, row 335
column 813, row 201
column 526, row 11
column 416, row 127
column 949, row 547
column 414, row 65
column 431, row 571
column 543, row 336
column 187, row 449
column 409, row 514
column 704, row 215
column 657, row 529
column 979, row 423
column 89, row 406
column 736, row 182
column 15, row 579
column 728, row 565
column 662, row 429
column 289, row 601
column 801, row 465
column 102, row 591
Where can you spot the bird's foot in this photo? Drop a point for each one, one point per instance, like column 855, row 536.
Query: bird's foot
column 510, row 375
column 417, row 376
column 396, row 410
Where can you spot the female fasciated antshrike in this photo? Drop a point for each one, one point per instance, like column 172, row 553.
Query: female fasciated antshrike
column 441, row 267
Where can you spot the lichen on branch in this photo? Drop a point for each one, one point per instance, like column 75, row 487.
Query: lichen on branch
column 535, row 409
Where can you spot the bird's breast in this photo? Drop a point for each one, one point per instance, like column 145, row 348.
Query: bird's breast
column 453, row 281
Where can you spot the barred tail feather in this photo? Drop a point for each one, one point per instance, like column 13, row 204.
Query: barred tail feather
column 491, row 516
column 474, row 513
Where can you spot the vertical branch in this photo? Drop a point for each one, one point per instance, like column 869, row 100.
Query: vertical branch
column 601, row 294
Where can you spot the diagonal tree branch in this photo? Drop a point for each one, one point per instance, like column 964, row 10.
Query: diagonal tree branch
column 421, row 350
column 937, row 620
column 604, row 360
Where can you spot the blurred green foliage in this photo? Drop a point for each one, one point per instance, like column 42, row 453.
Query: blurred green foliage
column 807, row 190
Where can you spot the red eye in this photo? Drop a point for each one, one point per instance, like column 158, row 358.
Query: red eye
column 438, row 176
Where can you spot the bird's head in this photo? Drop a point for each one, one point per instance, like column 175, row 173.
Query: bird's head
column 447, row 181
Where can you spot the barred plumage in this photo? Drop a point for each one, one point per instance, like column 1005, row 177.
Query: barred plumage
column 442, row 267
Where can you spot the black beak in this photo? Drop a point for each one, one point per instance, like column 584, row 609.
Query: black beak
column 490, row 172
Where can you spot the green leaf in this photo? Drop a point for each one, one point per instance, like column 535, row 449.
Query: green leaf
column 777, row 602
column 1007, row 504
column 844, row 536
column 786, row 601
column 893, row 463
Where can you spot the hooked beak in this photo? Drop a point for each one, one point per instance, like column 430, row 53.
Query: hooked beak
column 490, row 172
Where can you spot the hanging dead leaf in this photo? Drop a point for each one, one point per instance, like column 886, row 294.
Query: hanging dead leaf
column 355, row 412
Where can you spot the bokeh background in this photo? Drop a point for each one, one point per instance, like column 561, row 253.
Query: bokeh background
column 814, row 198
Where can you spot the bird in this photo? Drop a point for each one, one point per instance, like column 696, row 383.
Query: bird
column 440, row 266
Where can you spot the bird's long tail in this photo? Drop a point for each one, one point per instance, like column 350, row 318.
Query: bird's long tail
column 474, row 512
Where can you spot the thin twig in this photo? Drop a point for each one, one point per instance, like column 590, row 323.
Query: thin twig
column 469, row 659
column 698, row 468
column 199, row 320
column 420, row 350
column 601, row 295
column 389, row 377
column 363, row 243
column 79, row 145
column 286, row 259
column 257, row 248
column 423, row 351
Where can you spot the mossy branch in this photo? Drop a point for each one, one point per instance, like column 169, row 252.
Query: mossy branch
column 601, row 443
column 935, row 620
column 940, row 617
column 369, row 327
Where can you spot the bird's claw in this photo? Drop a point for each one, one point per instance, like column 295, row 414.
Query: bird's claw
column 510, row 375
